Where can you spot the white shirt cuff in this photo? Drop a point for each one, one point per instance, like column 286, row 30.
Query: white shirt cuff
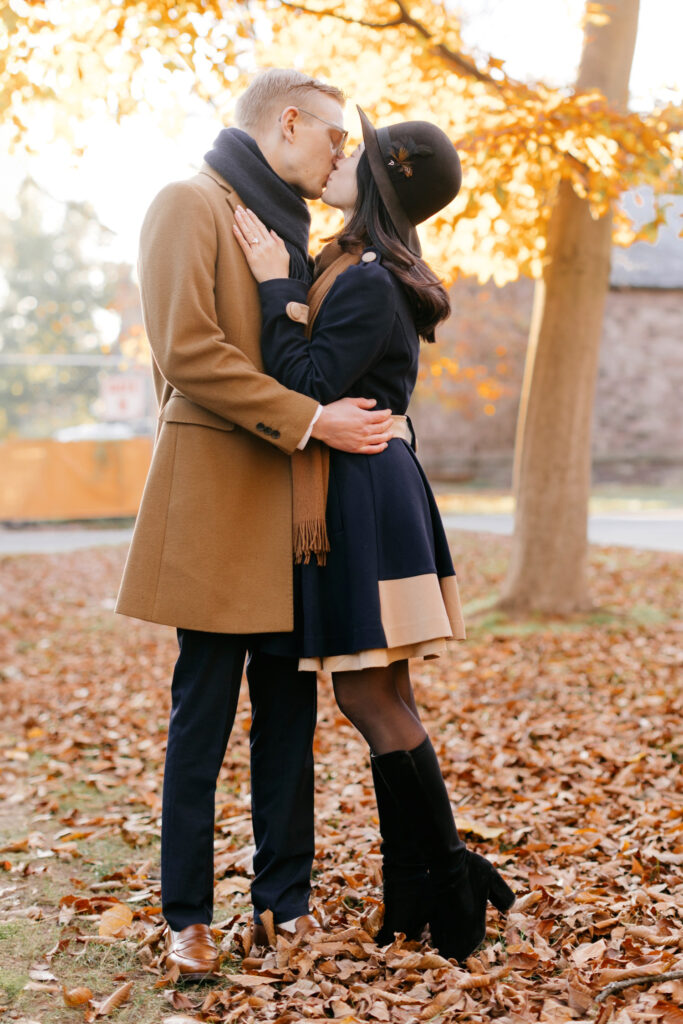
column 304, row 440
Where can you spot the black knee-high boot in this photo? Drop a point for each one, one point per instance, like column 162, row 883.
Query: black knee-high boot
column 404, row 868
column 461, row 882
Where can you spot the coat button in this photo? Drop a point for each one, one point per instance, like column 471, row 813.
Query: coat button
column 275, row 433
column 260, row 426
column 369, row 257
column 267, row 430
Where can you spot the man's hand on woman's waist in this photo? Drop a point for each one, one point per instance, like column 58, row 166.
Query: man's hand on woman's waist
column 354, row 425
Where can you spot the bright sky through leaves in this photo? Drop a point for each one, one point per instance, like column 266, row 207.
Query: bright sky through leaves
column 124, row 165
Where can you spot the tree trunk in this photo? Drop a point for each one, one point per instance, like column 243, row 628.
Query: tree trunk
column 547, row 570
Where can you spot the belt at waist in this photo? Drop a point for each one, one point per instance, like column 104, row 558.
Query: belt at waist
column 400, row 427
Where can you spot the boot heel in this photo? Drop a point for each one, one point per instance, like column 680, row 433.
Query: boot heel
column 500, row 894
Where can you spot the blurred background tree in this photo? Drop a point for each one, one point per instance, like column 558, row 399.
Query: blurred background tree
column 56, row 315
column 548, row 565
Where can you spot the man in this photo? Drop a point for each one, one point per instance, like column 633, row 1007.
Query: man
column 212, row 548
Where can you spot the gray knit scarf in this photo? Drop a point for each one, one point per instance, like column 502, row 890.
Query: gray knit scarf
column 238, row 159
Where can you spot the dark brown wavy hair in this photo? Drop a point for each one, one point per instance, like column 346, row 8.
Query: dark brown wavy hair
column 370, row 224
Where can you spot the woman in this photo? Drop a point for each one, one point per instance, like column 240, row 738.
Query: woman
column 382, row 587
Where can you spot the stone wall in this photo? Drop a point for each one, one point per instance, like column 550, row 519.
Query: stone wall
column 638, row 425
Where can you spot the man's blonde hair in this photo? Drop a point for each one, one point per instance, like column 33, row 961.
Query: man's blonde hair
column 277, row 88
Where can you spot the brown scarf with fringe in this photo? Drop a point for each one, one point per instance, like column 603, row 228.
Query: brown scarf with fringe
column 311, row 467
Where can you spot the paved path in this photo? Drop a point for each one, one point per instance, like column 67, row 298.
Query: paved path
column 648, row 531
column 662, row 531
column 34, row 540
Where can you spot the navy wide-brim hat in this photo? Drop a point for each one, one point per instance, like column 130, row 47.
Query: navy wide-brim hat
column 416, row 169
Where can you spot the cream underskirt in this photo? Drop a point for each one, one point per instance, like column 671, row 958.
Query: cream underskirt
column 377, row 658
column 420, row 616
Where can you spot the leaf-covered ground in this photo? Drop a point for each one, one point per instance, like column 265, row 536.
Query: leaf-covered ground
column 561, row 743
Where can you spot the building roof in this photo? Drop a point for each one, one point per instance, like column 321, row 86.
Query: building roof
column 646, row 265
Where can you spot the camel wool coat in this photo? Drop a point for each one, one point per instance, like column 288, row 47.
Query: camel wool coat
column 212, row 545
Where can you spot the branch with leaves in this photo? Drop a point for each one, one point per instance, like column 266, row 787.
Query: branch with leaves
column 517, row 140
column 461, row 63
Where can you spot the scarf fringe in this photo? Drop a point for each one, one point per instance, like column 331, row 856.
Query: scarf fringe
column 310, row 537
column 311, row 467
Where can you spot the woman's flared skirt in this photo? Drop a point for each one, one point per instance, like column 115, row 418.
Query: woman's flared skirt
column 388, row 590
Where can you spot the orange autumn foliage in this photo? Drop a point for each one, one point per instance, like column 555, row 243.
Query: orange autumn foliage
column 400, row 60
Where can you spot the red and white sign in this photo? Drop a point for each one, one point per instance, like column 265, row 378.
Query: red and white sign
column 124, row 396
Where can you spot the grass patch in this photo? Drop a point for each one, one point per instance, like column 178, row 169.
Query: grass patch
column 483, row 616
column 144, row 1006
column 111, row 853
column 11, row 983
column 97, row 967
column 22, row 942
column 95, row 964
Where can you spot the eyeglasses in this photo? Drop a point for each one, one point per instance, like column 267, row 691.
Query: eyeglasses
column 338, row 140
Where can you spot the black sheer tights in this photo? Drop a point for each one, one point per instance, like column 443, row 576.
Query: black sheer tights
column 381, row 704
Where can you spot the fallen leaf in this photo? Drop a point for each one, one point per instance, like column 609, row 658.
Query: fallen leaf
column 115, row 920
column 588, row 951
column 16, row 847
column 115, row 1000
column 229, row 886
column 41, row 986
column 670, row 1014
column 608, row 975
column 40, row 974
column 76, row 996
column 477, row 829
column 268, row 923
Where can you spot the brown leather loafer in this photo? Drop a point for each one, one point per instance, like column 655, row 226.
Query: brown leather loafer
column 303, row 926
column 193, row 951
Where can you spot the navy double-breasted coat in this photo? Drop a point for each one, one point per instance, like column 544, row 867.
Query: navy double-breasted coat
column 389, row 582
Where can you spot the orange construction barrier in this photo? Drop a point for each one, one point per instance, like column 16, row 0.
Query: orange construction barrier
column 43, row 480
